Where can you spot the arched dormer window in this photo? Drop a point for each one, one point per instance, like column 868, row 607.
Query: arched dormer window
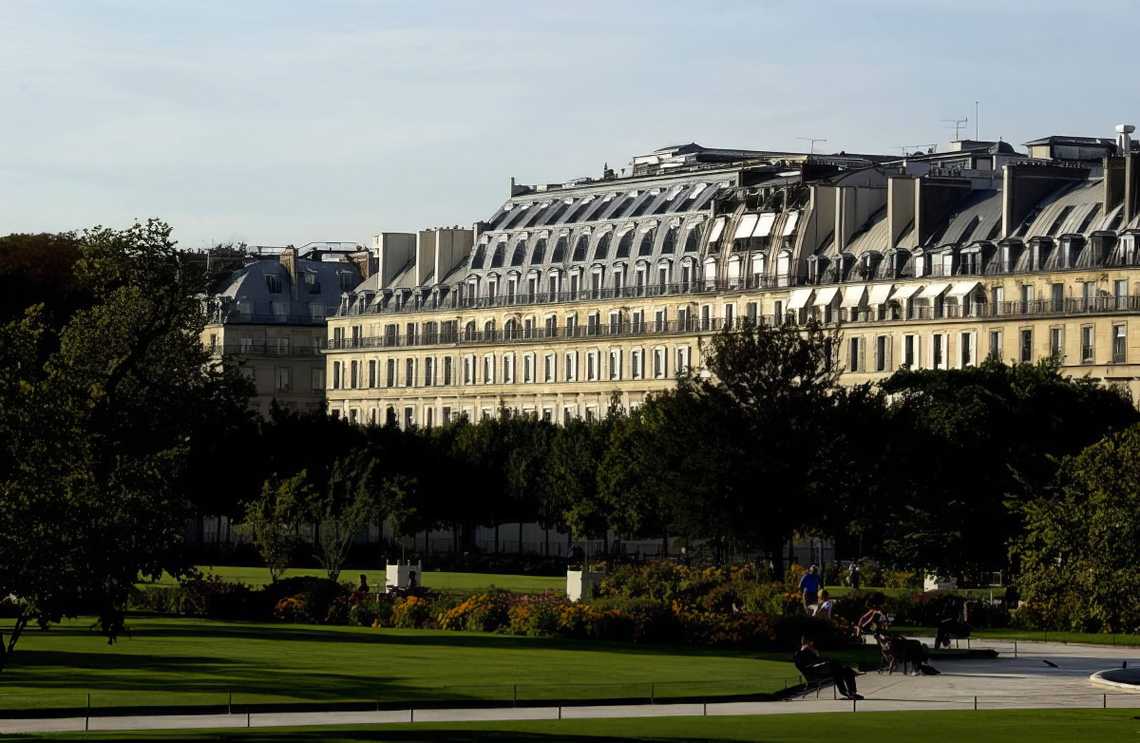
column 648, row 237
column 480, row 255
column 560, row 246
column 602, row 249
column 580, row 248
column 520, row 253
column 693, row 239
column 499, row 255
column 669, row 242
column 538, row 255
column 625, row 244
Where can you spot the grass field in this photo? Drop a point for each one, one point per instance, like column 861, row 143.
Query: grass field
column 440, row 581
column 1036, row 726
column 199, row 662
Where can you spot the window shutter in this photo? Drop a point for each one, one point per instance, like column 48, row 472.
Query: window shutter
column 862, row 354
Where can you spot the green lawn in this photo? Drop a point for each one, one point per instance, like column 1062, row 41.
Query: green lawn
column 1008, row 635
column 1006, row 726
column 185, row 661
column 440, row 581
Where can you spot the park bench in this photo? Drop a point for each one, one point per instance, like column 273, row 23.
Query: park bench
column 815, row 674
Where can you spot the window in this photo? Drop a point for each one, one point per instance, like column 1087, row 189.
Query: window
column 591, row 366
column 284, row 378
column 615, row 323
column 273, row 283
column 637, row 322
column 706, row 317
column 855, row 355
column 372, row 381
column 615, row 364
column 429, row 372
column 570, row 368
column 1119, row 343
column 938, row 351
column 409, row 417
column 1120, row 293
column 660, row 324
column 246, row 343
column 468, row 370
column 682, row 359
column 489, row 369
column 1026, row 346
column 1088, row 353
column 778, row 312
column 409, row 372
column 390, row 381
column 995, row 345
column 572, row 325
column 659, row 367
column 910, row 351
column 548, row 370
column 528, row 368
column 1026, row 297
column 882, row 352
column 683, row 320
column 508, row 368
column 551, row 326
column 593, row 320
column 353, row 415
column 354, row 375
column 447, row 372
column 966, row 351
column 636, row 363
column 317, row 380
column 729, row 315
column 1056, row 297
column 752, row 312
column 1057, row 342
column 336, row 375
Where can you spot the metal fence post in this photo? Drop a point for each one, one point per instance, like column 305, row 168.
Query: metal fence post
column 975, row 702
column 652, row 693
column 515, row 695
column 230, row 703
column 560, row 712
column 705, row 709
column 411, row 714
column 854, row 701
column 87, row 718
column 1104, row 702
column 248, row 722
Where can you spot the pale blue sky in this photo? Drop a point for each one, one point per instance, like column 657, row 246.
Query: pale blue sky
column 283, row 122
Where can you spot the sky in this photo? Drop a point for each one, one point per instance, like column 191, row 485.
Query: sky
column 284, row 122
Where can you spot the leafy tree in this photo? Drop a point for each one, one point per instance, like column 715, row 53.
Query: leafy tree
column 96, row 437
column 274, row 520
column 1081, row 544
column 351, row 501
column 970, row 442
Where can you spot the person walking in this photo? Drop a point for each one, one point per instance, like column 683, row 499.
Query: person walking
column 854, row 577
column 810, row 584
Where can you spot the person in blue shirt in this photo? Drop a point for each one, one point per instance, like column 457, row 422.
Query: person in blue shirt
column 810, row 584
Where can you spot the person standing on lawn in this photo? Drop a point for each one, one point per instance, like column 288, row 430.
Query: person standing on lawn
column 810, row 584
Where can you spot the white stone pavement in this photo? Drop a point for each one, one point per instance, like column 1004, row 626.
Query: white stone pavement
column 1024, row 682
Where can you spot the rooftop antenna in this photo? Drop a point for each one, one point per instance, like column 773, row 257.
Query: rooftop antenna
column 978, row 120
column 813, row 140
column 958, row 124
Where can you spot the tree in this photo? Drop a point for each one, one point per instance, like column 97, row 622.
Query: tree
column 352, row 500
column 572, row 472
column 274, row 519
column 1081, row 543
column 970, row 442
column 97, row 433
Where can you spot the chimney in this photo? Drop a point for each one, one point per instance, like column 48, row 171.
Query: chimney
column 288, row 259
column 363, row 261
column 1113, row 182
column 1123, row 138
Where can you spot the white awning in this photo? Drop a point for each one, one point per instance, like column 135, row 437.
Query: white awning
column 825, row 296
column 930, row 291
column 853, row 296
column 906, row 291
column 962, row 288
column 764, row 226
column 790, row 223
column 880, row 293
column 799, row 299
column 717, row 228
column 745, row 226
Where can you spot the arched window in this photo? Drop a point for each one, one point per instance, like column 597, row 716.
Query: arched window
column 559, row 250
column 538, row 255
column 647, row 239
column 499, row 254
column 669, row 242
column 489, row 329
column 480, row 255
column 603, row 247
column 520, row 253
column 580, row 248
column 693, row 240
column 469, row 331
column 625, row 244
column 509, row 330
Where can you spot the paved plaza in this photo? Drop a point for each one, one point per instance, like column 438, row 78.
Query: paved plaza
column 1041, row 676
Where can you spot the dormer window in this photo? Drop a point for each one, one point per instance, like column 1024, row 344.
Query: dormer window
column 273, row 283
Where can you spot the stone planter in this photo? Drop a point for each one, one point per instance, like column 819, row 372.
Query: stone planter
column 581, row 584
column 403, row 575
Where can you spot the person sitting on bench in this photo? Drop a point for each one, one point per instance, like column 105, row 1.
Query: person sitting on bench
column 815, row 667
column 953, row 626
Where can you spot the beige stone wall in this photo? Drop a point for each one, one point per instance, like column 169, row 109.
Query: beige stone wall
column 1075, row 321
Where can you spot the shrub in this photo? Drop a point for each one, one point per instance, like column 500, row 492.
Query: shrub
column 536, row 615
column 293, row 609
column 411, row 612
